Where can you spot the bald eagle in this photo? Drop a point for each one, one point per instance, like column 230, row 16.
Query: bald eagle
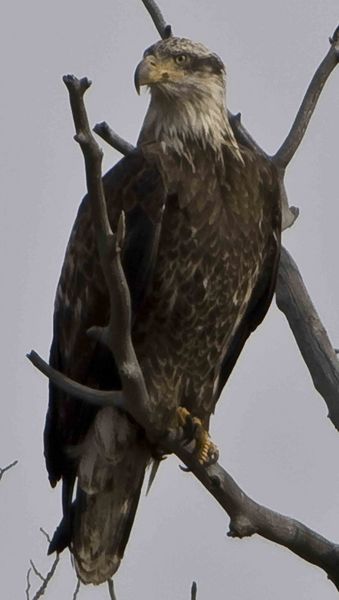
column 200, row 257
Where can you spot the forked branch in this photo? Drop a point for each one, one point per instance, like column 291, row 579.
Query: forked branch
column 289, row 147
column 4, row 469
column 109, row 243
column 45, row 579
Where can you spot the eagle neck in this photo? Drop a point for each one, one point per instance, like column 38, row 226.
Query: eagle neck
column 187, row 123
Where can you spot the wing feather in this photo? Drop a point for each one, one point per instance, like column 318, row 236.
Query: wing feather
column 82, row 300
column 263, row 291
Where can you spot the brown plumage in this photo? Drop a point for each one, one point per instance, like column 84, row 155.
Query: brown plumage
column 201, row 254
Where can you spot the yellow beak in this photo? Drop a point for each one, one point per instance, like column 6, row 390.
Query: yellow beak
column 149, row 71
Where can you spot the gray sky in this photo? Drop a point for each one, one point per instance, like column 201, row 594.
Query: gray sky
column 271, row 425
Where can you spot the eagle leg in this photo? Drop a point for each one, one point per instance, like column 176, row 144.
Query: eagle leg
column 205, row 450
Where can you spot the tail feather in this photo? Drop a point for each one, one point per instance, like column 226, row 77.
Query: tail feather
column 110, row 476
column 154, row 470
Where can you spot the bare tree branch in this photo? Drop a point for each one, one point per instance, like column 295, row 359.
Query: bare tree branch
column 4, row 469
column 77, row 390
column 287, row 150
column 111, row 589
column 119, row 326
column 45, row 579
column 319, row 355
column 291, row 294
column 157, row 18
column 112, row 138
column 246, row 516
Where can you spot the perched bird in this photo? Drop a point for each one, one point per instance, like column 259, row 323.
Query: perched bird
column 200, row 256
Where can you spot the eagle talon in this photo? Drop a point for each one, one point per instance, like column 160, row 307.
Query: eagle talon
column 205, row 450
column 187, row 423
column 185, row 469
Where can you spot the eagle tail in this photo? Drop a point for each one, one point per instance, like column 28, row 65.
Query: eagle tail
column 110, row 475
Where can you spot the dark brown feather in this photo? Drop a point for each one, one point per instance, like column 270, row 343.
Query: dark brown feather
column 201, row 255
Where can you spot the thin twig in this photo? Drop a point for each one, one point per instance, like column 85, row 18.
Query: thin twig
column 93, row 154
column 111, row 589
column 243, row 135
column 28, row 586
column 76, row 591
column 77, row 390
column 45, row 534
column 87, row 394
column 37, row 573
column 47, row 579
column 157, row 17
column 287, row 150
column 4, row 469
column 194, row 591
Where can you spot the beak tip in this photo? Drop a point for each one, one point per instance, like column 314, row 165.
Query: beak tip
column 137, row 79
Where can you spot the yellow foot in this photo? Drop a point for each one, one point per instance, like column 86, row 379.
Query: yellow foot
column 205, row 450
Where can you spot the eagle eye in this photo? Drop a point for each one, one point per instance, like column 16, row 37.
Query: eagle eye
column 180, row 59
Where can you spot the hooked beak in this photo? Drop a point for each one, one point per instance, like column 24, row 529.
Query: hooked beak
column 147, row 72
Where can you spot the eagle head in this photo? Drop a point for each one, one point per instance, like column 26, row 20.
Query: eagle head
column 177, row 66
column 187, row 87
